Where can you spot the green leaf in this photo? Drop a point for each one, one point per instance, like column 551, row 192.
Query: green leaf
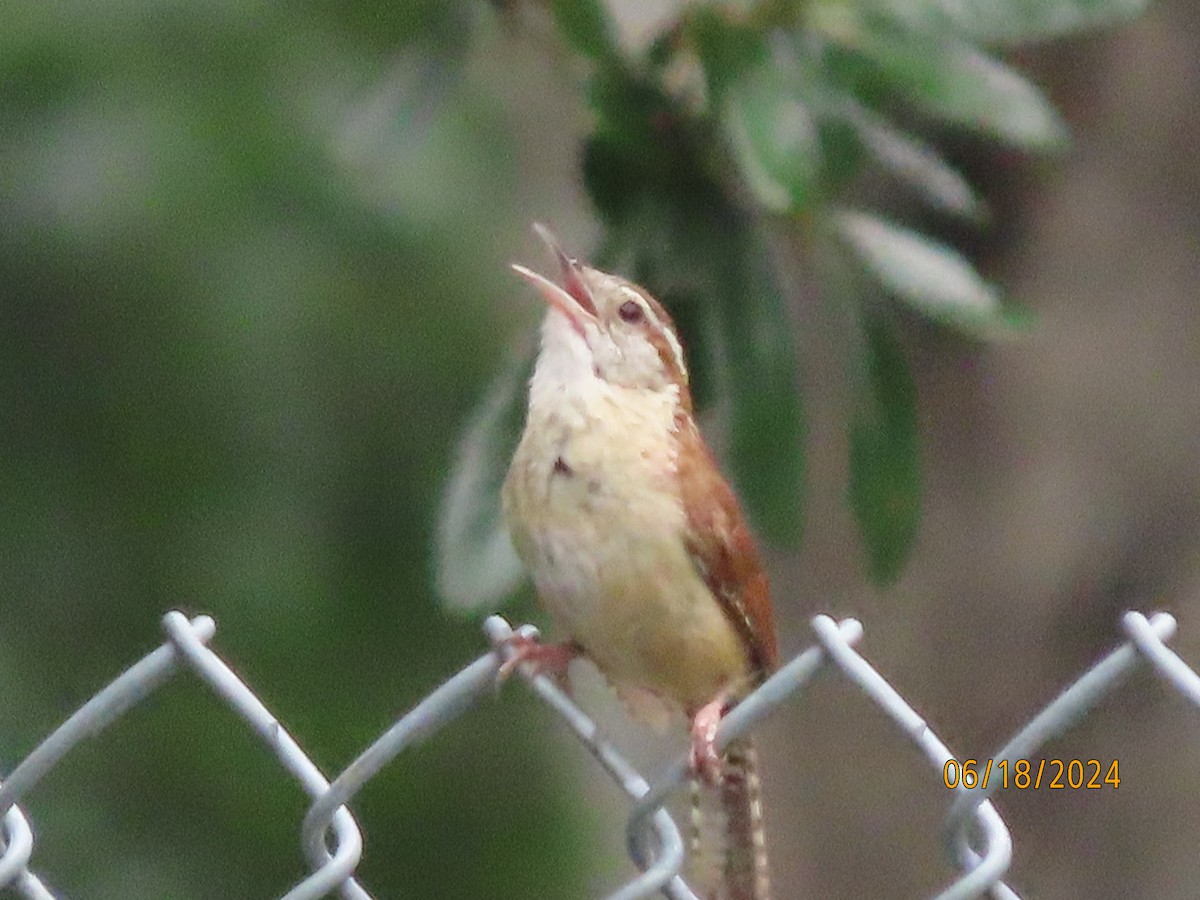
column 766, row 449
column 639, row 128
column 726, row 49
column 948, row 79
column 932, row 278
column 918, row 164
column 885, row 458
column 969, row 88
column 1014, row 21
column 611, row 182
column 475, row 565
column 775, row 140
column 586, row 26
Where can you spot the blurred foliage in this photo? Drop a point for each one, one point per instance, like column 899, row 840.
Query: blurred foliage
column 248, row 263
column 748, row 124
column 233, row 361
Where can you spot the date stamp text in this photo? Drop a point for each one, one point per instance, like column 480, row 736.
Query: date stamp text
column 1026, row 774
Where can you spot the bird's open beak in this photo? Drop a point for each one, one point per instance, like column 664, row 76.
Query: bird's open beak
column 573, row 298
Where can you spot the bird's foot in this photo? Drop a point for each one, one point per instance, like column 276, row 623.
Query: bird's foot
column 705, row 760
column 545, row 659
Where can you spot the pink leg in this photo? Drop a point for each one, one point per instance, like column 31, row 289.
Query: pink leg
column 546, row 659
column 705, row 760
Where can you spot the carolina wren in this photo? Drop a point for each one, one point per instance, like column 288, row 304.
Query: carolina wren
column 637, row 546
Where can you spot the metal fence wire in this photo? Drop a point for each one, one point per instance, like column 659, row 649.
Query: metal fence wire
column 976, row 840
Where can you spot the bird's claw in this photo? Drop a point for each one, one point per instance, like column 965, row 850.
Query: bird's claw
column 545, row 659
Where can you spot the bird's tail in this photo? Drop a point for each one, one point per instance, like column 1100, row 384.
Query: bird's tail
column 741, row 835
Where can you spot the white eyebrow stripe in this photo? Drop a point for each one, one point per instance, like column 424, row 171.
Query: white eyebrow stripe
column 672, row 341
column 677, row 350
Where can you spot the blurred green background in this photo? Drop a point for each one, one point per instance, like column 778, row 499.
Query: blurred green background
column 251, row 267
column 253, row 280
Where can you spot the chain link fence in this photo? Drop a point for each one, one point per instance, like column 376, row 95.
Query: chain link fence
column 976, row 840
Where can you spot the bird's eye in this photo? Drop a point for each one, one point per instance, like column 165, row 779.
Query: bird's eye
column 631, row 312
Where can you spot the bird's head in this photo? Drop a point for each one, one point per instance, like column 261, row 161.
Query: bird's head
column 613, row 326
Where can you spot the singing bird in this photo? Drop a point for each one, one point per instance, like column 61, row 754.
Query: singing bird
column 637, row 546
